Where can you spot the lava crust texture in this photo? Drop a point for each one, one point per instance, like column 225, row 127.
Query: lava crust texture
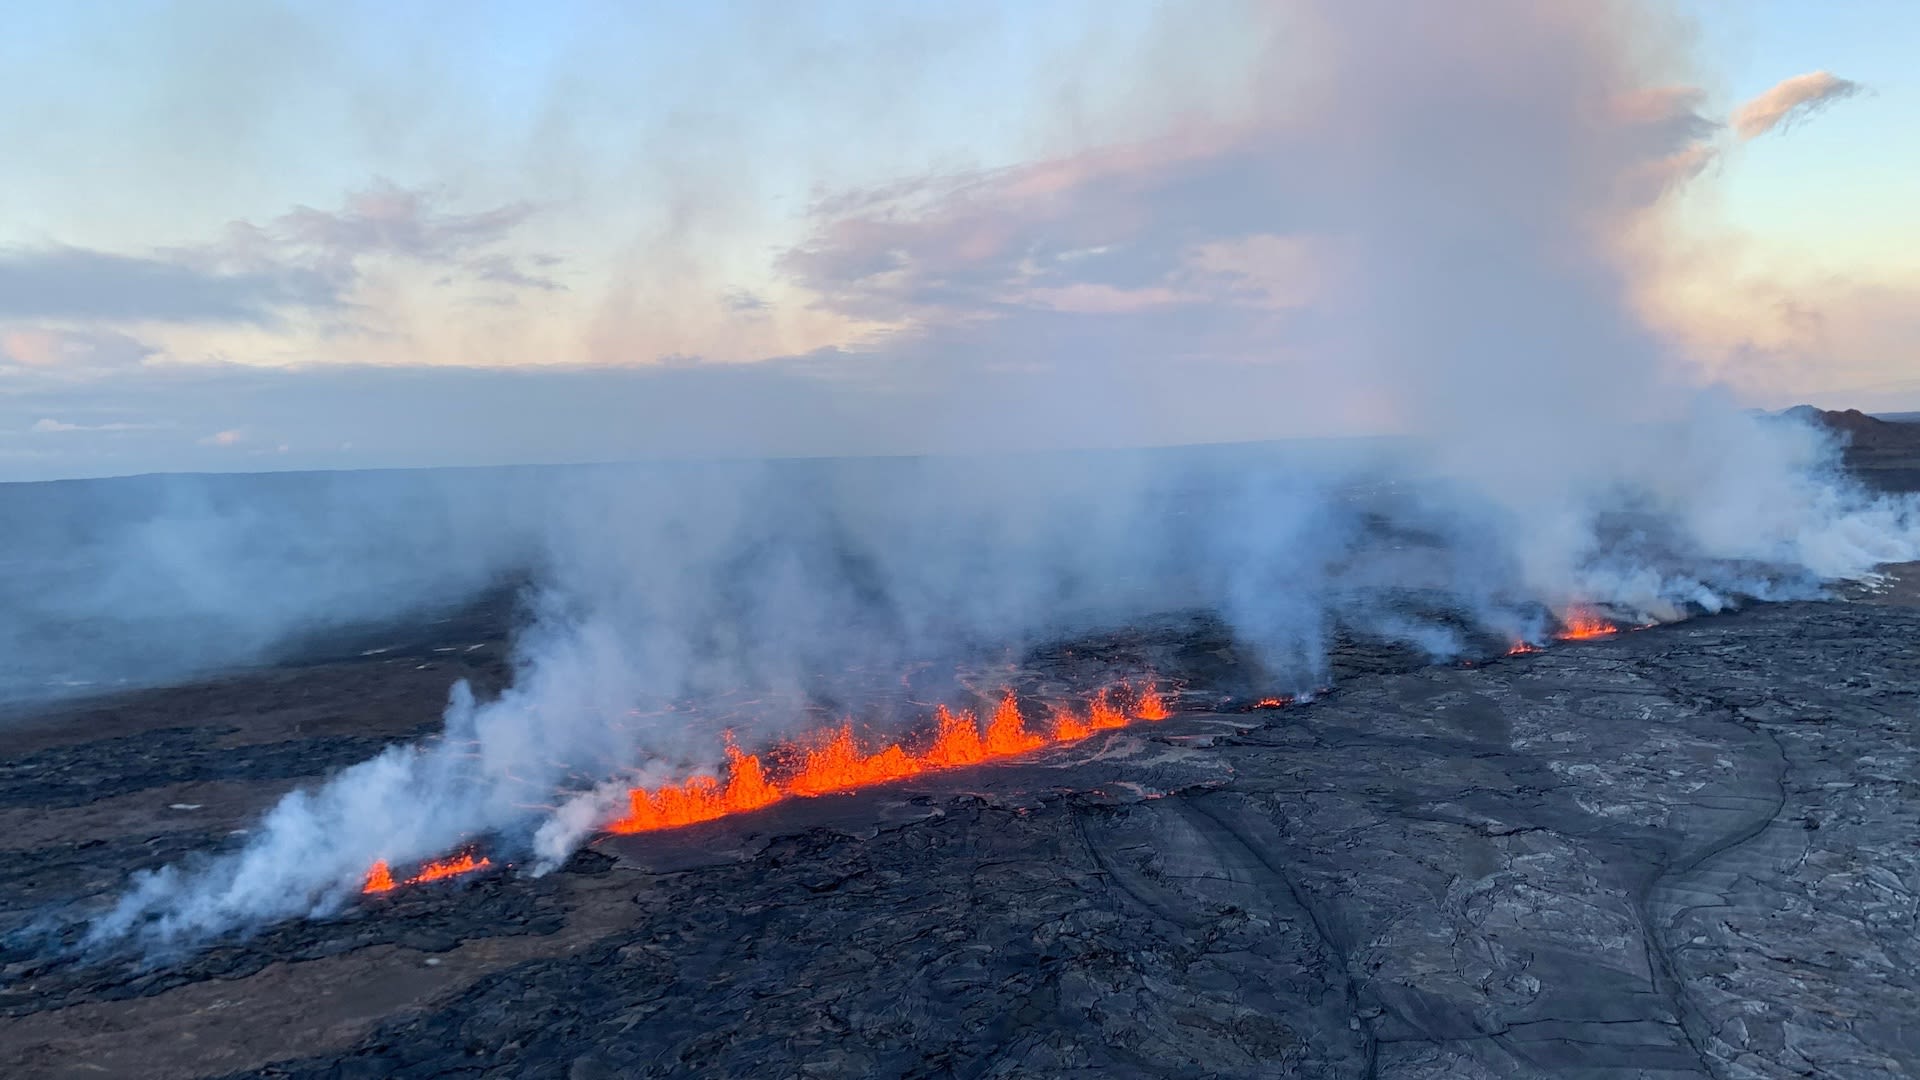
column 1691, row 851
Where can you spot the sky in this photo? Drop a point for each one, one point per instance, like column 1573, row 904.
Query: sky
column 254, row 235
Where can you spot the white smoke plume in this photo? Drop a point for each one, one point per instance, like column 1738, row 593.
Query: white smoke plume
column 1467, row 168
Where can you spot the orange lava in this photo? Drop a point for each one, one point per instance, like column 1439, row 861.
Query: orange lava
column 839, row 764
column 380, row 878
column 1007, row 732
column 956, row 741
column 1067, row 727
column 1273, row 703
column 699, row 798
column 1582, row 624
column 832, row 760
column 1521, row 648
column 1102, row 716
column 1150, row 706
column 446, row 868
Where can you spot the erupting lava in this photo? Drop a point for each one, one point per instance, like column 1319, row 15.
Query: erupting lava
column 1582, row 624
column 380, row 878
column 700, row 798
column 1150, row 707
column 1579, row 623
column 831, row 761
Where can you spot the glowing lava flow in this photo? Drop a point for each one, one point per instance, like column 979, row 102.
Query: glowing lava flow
column 1578, row 624
column 700, row 798
column 380, row 878
column 834, row 761
column 830, row 761
column 1582, row 624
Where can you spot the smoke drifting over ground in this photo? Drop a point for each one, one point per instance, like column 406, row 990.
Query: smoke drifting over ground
column 1469, row 175
column 142, row 580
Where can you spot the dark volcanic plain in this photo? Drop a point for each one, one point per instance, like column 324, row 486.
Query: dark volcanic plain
column 1686, row 851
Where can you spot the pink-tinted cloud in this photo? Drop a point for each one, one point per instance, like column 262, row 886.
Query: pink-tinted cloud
column 1782, row 337
column 388, row 218
column 1789, row 101
column 54, row 348
column 1420, row 207
column 306, row 260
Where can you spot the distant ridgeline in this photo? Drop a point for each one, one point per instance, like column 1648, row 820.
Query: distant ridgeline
column 1883, row 450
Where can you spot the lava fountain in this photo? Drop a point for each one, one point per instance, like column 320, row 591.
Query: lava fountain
column 380, row 877
column 1582, row 624
column 834, row 760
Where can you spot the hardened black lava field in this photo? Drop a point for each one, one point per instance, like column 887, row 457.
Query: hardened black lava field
column 1676, row 852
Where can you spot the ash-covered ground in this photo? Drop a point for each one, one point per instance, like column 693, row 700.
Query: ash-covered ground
column 1687, row 851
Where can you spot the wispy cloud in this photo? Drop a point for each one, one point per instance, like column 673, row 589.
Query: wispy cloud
column 744, row 302
column 388, row 221
column 306, row 260
column 50, row 425
column 1790, row 101
column 499, row 269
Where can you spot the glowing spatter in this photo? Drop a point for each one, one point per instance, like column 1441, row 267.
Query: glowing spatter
column 380, row 877
column 1581, row 624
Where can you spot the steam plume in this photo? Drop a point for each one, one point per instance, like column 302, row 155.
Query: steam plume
column 1470, row 166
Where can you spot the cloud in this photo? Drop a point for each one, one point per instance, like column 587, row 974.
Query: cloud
column 1340, row 241
column 47, row 424
column 1784, row 334
column 304, row 260
column 501, row 269
column 388, row 219
column 1094, row 298
column 230, row 437
column 383, row 222
column 75, row 283
column 1303, row 261
column 1114, row 219
column 744, row 302
column 45, row 348
column 1789, row 101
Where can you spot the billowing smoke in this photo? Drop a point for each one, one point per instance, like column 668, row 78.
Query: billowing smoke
column 1470, row 172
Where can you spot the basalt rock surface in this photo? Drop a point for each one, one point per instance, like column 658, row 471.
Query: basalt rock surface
column 1687, row 851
